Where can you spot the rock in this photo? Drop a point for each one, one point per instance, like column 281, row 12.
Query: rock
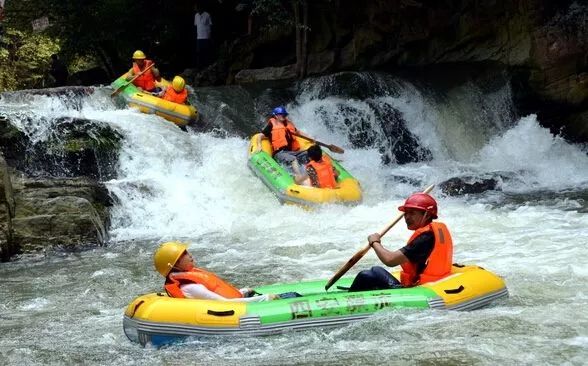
column 64, row 212
column 268, row 73
column 7, row 247
column 468, row 185
column 36, row 213
column 93, row 76
column 77, row 147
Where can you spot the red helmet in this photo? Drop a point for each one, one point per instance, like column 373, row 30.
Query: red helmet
column 421, row 201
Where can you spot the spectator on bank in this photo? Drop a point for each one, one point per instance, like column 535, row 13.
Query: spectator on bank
column 202, row 35
column 244, row 8
column 58, row 71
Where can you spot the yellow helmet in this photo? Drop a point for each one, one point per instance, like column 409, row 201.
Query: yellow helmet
column 167, row 255
column 138, row 55
column 178, row 83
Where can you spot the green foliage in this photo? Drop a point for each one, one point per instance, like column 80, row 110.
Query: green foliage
column 272, row 13
column 25, row 59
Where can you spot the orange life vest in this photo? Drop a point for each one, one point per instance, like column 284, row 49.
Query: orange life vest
column 199, row 276
column 281, row 135
column 439, row 262
column 324, row 172
column 147, row 80
column 173, row 96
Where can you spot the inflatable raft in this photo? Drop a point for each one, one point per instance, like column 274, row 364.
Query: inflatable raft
column 180, row 114
column 282, row 183
column 157, row 319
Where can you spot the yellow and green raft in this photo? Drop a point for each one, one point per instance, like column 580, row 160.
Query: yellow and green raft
column 282, row 183
column 180, row 114
column 158, row 319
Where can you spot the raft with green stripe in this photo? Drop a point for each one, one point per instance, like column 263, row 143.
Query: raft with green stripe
column 180, row 114
column 282, row 183
column 158, row 319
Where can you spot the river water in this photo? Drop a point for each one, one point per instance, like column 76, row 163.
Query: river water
column 66, row 308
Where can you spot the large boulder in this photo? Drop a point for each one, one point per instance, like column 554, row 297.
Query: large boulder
column 59, row 212
column 49, row 190
column 7, row 246
column 542, row 44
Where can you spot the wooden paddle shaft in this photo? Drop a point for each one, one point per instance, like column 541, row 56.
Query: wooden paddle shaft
column 130, row 81
column 357, row 256
column 333, row 148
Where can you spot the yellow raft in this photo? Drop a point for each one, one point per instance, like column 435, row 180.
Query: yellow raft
column 159, row 319
column 180, row 114
column 282, row 184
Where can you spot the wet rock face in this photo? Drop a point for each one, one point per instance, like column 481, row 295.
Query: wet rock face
column 542, row 43
column 458, row 186
column 49, row 193
column 64, row 212
column 39, row 213
column 76, row 147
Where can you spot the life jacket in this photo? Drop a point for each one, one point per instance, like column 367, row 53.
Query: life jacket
column 147, row 80
column 282, row 137
column 173, row 96
column 199, row 276
column 439, row 262
column 324, row 172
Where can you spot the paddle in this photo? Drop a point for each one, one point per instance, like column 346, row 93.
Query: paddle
column 333, row 148
column 357, row 256
column 120, row 88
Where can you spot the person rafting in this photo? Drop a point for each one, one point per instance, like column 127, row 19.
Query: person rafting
column 177, row 92
column 184, row 280
column 427, row 257
column 146, row 81
column 286, row 150
column 320, row 172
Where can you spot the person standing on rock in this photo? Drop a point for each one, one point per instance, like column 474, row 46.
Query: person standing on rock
column 202, row 35
column 58, row 71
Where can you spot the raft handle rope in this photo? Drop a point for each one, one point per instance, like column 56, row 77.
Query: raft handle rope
column 221, row 313
column 136, row 307
column 455, row 290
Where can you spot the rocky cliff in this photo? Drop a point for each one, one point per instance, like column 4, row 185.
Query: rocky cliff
column 542, row 45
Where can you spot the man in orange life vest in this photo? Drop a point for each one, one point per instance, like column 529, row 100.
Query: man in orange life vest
column 177, row 92
column 146, row 81
column 279, row 131
column 320, row 172
column 184, row 280
column 427, row 257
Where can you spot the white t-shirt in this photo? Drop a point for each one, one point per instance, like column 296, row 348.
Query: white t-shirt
column 198, row 291
column 203, row 25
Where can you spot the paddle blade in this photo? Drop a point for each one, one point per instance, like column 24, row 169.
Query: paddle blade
column 336, row 149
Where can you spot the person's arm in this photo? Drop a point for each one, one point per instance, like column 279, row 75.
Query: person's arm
column 267, row 132
column 130, row 74
column 388, row 257
column 198, row 291
column 418, row 252
column 156, row 73
column 298, row 132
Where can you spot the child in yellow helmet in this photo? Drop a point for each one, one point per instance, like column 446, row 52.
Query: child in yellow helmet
column 177, row 93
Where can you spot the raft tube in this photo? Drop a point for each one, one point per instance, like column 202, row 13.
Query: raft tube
column 157, row 319
column 180, row 114
column 282, row 184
